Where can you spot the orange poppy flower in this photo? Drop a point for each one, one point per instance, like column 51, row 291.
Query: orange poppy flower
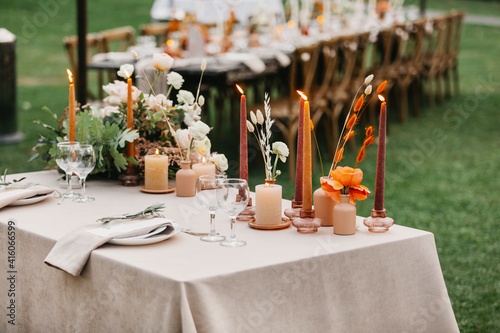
column 331, row 188
column 348, row 176
column 358, row 192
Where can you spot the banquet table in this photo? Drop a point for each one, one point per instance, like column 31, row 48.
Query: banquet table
column 282, row 281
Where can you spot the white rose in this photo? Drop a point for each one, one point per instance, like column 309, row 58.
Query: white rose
column 108, row 110
column 175, row 79
column 281, row 149
column 126, row 71
column 156, row 103
column 183, row 138
column 188, row 119
column 118, row 93
column 199, row 130
column 185, row 97
column 220, row 161
column 191, row 113
column 162, row 61
column 203, row 147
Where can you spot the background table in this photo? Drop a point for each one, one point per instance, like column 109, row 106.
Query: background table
column 281, row 281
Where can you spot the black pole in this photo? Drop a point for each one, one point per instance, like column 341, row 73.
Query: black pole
column 422, row 7
column 81, row 84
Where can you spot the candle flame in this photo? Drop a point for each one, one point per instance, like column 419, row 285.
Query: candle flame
column 157, row 152
column 320, row 19
column 240, row 90
column 279, row 28
column 70, row 75
column 382, row 99
column 302, row 95
column 291, row 24
column 170, row 43
column 203, row 160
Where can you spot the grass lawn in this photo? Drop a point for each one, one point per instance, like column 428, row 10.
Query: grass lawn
column 440, row 166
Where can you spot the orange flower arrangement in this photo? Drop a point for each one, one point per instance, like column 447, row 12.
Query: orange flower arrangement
column 347, row 180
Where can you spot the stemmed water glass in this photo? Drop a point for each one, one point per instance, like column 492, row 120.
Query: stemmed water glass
column 66, row 159
column 85, row 165
column 206, row 194
column 232, row 197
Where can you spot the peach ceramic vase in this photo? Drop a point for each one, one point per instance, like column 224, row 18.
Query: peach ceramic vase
column 344, row 215
column 323, row 206
column 185, row 180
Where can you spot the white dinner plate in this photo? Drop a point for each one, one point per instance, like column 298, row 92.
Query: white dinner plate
column 154, row 237
column 30, row 200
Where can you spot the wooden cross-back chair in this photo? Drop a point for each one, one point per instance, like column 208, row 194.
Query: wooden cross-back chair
column 340, row 93
column 117, row 40
column 452, row 45
column 409, row 65
column 382, row 66
column 434, row 66
column 94, row 46
column 285, row 110
column 159, row 30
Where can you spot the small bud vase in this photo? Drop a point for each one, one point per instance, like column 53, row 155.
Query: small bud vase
column 323, row 205
column 185, row 181
column 344, row 216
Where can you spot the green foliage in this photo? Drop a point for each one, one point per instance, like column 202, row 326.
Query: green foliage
column 107, row 138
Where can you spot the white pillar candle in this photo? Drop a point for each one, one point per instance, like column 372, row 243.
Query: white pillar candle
column 201, row 169
column 156, row 172
column 268, row 204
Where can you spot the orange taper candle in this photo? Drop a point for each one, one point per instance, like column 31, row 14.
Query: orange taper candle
column 380, row 178
column 72, row 110
column 130, row 116
column 307, row 173
column 243, row 136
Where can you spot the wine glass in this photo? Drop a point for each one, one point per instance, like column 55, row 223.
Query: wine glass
column 233, row 196
column 206, row 194
column 66, row 158
column 85, row 165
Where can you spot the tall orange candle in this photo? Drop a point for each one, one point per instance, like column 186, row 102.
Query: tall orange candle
column 243, row 136
column 380, row 178
column 307, row 175
column 299, row 169
column 72, row 110
column 130, row 115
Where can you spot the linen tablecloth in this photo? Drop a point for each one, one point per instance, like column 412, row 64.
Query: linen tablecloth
column 281, row 281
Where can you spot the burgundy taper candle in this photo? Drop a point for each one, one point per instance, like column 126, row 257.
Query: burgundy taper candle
column 243, row 136
column 307, row 173
column 380, row 180
column 299, row 169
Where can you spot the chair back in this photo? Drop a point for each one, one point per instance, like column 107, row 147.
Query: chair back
column 123, row 37
column 159, row 30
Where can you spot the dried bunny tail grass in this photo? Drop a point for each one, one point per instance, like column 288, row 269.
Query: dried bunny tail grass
column 369, row 130
column 361, row 155
column 349, row 135
column 368, row 141
column 381, row 86
column 359, row 103
column 352, row 121
column 339, row 155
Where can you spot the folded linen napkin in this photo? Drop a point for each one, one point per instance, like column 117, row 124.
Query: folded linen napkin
column 9, row 195
column 72, row 252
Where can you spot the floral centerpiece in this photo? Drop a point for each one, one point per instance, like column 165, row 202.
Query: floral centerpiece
column 175, row 129
column 344, row 179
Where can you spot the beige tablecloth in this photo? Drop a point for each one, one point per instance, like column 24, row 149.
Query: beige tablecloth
column 281, row 281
